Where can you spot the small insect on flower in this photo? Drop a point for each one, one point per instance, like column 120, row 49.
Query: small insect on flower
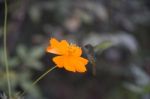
column 69, row 55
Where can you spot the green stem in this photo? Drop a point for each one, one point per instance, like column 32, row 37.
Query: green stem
column 5, row 50
column 43, row 75
column 39, row 78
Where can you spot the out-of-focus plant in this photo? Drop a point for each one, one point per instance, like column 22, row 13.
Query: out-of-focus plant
column 22, row 65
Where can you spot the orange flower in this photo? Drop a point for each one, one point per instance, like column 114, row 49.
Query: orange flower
column 69, row 55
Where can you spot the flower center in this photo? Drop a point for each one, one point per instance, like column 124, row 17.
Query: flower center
column 71, row 49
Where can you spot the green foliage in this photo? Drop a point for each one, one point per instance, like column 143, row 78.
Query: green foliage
column 30, row 57
column 21, row 64
column 146, row 89
column 102, row 46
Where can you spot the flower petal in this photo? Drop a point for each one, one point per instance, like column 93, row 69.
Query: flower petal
column 80, row 67
column 69, row 64
column 59, row 61
column 52, row 50
column 74, row 64
column 57, row 47
column 83, row 60
column 78, row 51
column 70, row 68
column 64, row 43
column 74, row 50
column 54, row 42
column 53, row 47
column 80, row 64
column 63, row 47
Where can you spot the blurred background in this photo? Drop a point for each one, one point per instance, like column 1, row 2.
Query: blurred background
column 115, row 37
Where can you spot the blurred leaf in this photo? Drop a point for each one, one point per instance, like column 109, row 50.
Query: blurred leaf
column 85, row 17
column 26, row 84
column 146, row 89
column 31, row 89
column 133, row 87
column 22, row 52
column 35, row 13
column 13, row 78
column 98, row 9
column 37, row 52
column 13, row 62
column 35, row 64
column 102, row 46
